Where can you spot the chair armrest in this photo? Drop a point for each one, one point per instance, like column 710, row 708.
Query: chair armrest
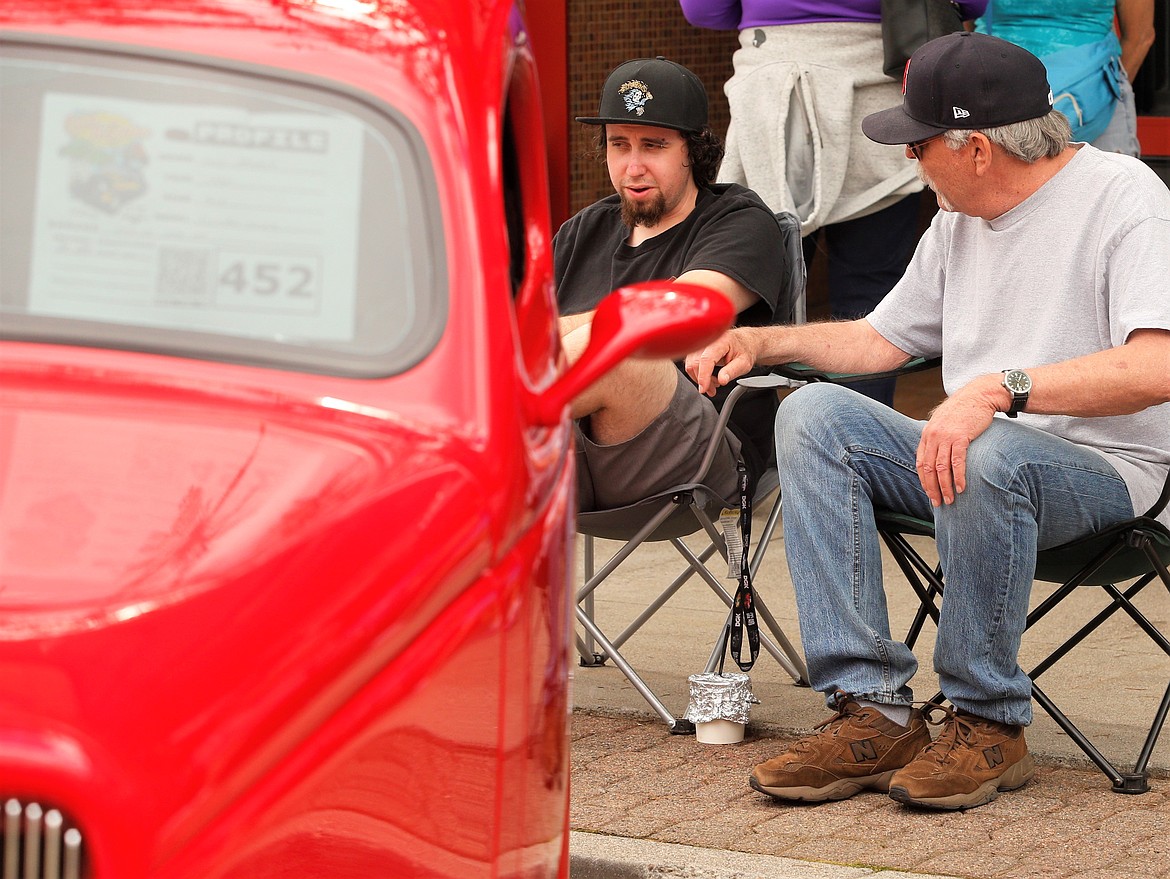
column 802, row 372
column 768, row 381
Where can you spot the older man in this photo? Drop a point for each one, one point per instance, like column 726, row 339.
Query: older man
column 1042, row 283
column 644, row 427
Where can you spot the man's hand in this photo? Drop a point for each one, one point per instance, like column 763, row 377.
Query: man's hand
column 942, row 452
column 735, row 350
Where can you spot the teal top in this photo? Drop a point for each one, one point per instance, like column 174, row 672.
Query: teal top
column 1045, row 26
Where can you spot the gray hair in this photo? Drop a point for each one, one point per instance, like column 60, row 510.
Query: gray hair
column 1030, row 140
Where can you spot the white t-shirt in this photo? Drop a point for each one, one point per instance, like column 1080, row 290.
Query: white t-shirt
column 1072, row 270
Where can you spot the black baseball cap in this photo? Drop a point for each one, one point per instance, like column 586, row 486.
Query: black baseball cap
column 652, row 91
column 964, row 80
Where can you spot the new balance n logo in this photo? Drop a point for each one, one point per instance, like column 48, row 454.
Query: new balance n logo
column 993, row 756
column 863, row 752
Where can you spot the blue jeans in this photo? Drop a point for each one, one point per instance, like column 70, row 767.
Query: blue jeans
column 841, row 454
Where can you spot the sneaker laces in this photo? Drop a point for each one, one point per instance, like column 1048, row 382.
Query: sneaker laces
column 955, row 730
column 840, row 699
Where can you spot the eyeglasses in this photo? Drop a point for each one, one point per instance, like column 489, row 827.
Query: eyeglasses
column 916, row 147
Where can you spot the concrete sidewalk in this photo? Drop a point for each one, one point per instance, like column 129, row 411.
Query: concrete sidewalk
column 646, row 803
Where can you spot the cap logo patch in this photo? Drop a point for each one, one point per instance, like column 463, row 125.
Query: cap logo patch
column 960, row 113
column 635, row 94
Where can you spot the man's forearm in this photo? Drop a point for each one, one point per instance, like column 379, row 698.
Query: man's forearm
column 834, row 346
column 1118, row 381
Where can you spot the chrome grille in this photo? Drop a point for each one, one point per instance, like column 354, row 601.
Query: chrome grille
column 38, row 844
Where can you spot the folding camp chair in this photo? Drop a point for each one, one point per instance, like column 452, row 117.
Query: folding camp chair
column 688, row 509
column 1137, row 550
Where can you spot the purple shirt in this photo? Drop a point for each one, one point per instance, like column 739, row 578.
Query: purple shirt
column 738, row 14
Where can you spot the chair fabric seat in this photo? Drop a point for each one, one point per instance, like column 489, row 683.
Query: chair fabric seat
column 620, row 522
column 1061, row 563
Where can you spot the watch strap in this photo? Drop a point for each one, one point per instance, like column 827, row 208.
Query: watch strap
column 1019, row 399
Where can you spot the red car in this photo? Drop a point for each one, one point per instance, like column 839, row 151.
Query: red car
column 286, row 482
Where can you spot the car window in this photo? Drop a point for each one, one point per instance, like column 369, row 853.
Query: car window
column 241, row 214
column 513, row 182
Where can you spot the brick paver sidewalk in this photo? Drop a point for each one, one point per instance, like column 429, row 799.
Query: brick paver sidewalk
column 631, row 778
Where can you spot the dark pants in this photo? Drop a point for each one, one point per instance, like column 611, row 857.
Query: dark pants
column 866, row 257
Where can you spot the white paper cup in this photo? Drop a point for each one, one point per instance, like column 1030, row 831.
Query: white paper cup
column 719, row 732
column 719, row 706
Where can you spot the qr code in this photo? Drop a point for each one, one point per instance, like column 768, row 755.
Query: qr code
column 183, row 276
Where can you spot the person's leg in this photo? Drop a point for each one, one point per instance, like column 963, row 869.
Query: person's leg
column 627, row 399
column 666, row 453
column 838, row 453
column 1026, row 490
column 839, row 457
column 835, row 450
column 866, row 257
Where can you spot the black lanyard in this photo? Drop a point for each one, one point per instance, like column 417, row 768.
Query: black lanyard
column 743, row 613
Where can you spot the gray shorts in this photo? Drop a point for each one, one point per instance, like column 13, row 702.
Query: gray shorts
column 665, row 454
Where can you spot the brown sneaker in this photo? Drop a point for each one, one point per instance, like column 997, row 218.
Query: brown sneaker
column 857, row 749
column 970, row 762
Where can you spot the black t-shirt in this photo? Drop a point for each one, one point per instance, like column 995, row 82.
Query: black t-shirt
column 730, row 231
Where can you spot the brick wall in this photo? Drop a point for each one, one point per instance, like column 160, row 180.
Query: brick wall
column 604, row 33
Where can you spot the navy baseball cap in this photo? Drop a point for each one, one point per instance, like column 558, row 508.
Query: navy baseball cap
column 652, row 91
column 964, row 80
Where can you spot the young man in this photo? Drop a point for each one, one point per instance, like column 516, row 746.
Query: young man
column 644, row 427
column 1042, row 283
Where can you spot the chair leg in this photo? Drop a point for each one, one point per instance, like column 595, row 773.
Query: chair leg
column 1135, row 782
column 792, row 662
column 915, row 570
column 765, row 537
column 586, row 646
column 786, row 655
column 720, row 644
column 663, row 597
column 1155, row 731
column 794, row 665
column 594, row 578
column 678, row 725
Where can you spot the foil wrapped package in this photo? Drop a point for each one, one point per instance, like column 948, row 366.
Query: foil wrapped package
column 720, row 697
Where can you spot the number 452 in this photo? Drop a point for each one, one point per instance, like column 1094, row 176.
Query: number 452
column 268, row 278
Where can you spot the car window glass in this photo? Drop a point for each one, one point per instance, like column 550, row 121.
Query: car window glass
column 513, row 203
column 242, row 215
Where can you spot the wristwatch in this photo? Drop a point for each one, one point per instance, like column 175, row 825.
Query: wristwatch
column 1019, row 385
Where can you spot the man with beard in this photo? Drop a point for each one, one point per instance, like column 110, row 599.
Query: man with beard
column 644, row 427
column 1042, row 284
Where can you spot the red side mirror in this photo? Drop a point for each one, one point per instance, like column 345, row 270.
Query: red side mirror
column 654, row 319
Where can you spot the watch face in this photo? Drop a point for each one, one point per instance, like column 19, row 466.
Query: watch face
column 1017, row 381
